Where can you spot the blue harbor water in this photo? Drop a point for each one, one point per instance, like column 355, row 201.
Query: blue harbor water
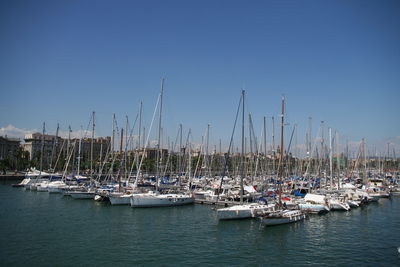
column 42, row 229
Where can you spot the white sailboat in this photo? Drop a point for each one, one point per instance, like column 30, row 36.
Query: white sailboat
column 338, row 203
column 242, row 211
column 156, row 199
column 282, row 216
column 120, row 198
column 314, row 203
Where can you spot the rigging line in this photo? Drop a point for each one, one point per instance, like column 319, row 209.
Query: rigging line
column 59, row 155
column 169, row 154
column 230, row 145
column 87, row 128
column 258, row 153
column 288, row 150
column 128, row 142
column 102, row 164
column 147, row 140
column 198, row 159
column 312, row 151
column 187, row 150
column 130, row 139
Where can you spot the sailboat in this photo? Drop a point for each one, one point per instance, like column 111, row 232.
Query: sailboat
column 33, row 184
column 123, row 195
column 282, row 215
column 155, row 198
column 242, row 211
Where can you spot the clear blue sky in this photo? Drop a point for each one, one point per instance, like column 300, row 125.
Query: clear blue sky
column 337, row 61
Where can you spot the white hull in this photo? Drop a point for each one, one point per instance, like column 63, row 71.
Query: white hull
column 339, row 206
column 283, row 217
column 42, row 187
column 153, row 200
column 242, row 211
column 54, row 189
column 353, row 203
column 120, row 200
column 313, row 208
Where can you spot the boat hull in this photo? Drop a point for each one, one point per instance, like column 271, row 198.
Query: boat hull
column 242, row 211
column 146, row 201
column 82, row 195
column 283, row 218
column 120, row 200
column 313, row 208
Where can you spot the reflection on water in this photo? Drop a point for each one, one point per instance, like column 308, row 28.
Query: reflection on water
column 39, row 228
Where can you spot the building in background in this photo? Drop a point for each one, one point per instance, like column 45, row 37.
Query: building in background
column 33, row 144
column 8, row 146
column 57, row 146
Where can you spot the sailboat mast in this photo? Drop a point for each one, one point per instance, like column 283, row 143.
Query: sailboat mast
column 140, row 124
column 338, row 159
column 91, row 146
column 273, row 145
column 42, row 148
column 79, row 153
column 206, row 155
column 330, row 157
column 242, row 170
column 281, row 154
column 113, row 135
column 55, row 143
column 309, row 137
column 180, row 156
column 189, row 158
column 121, row 160
column 69, row 142
column 159, row 134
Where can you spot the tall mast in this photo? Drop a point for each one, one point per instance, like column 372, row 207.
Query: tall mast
column 265, row 137
column 273, row 145
column 91, row 146
column 121, row 160
column 180, row 156
column 126, row 159
column 309, row 137
column 69, row 144
column 69, row 141
column 338, row 159
column 54, row 147
column 330, row 157
column 101, row 154
column 206, row 156
column 140, row 122
column 42, row 148
column 242, row 170
column 365, row 180
column 189, row 158
column 159, row 134
column 144, row 137
column 79, row 153
column 113, row 135
column 281, row 154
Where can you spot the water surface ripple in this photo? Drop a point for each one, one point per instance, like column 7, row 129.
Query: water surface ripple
column 42, row 229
